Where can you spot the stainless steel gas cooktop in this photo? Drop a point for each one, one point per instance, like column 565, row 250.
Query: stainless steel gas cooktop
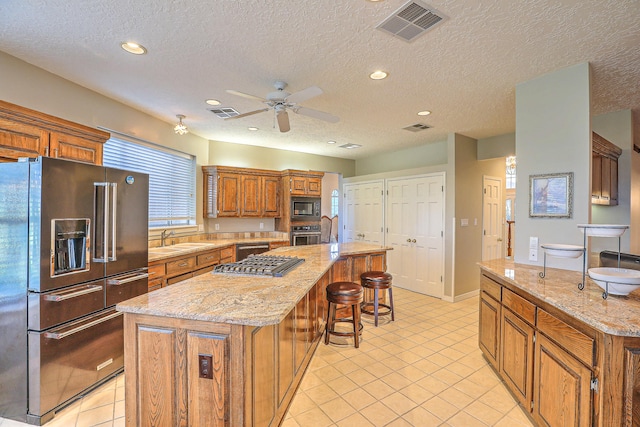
column 261, row 265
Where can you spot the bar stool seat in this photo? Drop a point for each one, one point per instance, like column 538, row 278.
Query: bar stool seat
column 377, row 280
column 345, row 293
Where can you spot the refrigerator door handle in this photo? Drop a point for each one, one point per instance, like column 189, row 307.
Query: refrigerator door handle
column 62, row 296
column 105, row 222
column 114, row 207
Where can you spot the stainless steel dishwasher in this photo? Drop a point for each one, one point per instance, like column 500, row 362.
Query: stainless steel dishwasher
column 243, row 250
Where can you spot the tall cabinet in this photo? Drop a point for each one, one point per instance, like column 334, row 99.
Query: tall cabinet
column 29, row 133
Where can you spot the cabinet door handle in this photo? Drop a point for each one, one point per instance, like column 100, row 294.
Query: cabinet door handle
column 183, row 264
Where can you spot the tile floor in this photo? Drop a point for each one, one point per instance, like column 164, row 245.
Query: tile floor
column 424, row 369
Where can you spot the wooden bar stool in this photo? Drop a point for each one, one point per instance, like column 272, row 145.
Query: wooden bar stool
column 346, row 293
column 377, row 280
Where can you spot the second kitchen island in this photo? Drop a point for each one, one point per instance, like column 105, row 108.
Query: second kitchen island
column 231, row 350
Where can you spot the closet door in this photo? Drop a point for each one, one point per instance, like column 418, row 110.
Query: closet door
column 364, row 212
column 415, row 230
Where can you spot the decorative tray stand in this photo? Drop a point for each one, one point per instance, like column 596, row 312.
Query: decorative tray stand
column 561, row 251
column 615, row 281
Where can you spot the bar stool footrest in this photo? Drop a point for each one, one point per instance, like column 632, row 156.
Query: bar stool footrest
column 365, row 310
column 346, row 334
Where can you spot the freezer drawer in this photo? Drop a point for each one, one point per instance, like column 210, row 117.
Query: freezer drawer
column 127, row 286
column 67, row 360
column 53, row 308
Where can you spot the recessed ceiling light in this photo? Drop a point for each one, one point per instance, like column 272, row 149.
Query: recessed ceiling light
column 331, row 142
column 424, row 113
column 378, row 75
column 252, row 128
column 212, row 102
column 135, row 48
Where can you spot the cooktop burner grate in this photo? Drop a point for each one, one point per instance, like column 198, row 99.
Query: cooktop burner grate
column 261, row 265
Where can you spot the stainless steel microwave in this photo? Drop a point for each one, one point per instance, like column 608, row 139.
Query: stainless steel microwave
column 305, row 209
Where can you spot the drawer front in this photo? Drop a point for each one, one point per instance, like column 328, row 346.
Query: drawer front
column 181, row 265
column 154, row 284
column 208, row 258
column 519, row 306
column 156, row 271
column 66, row 360
column 55, row 307
column 125, row 286
column 573, row 341
column 180, row 278
column 227, row 252
column 490, row 287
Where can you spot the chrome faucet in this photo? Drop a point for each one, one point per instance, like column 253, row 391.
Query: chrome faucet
column 164, row 235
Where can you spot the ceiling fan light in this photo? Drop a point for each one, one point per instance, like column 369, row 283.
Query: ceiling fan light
column 180, row 128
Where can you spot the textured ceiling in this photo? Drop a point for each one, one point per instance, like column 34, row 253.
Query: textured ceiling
column 464, row 70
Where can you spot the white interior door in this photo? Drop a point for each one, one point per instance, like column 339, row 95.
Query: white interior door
column 492, row 223
column 364, row 212
column 415, row 219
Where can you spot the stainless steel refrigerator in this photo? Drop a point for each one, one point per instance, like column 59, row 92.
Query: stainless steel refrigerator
column 73, row 243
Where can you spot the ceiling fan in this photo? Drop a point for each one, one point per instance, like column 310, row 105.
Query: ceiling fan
column 280, row 101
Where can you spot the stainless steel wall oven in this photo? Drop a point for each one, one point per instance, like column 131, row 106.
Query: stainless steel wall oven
column 305, row 235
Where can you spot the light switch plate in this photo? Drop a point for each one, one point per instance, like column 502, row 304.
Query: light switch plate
column 533, row 243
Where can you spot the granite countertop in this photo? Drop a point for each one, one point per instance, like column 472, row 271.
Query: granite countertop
column 245, row 299
column 616, row 315
column 180, row 249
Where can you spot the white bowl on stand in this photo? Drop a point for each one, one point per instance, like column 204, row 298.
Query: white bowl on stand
column 603, row 230
column 563, row 251
column 621, row 281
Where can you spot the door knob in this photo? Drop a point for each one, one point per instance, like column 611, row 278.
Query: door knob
column 499, row 239
column 408, row 240
column 413, row 241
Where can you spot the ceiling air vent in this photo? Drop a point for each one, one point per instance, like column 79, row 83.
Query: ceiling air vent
column 349, row 146
column 417, row 127
column 411, row 20
column 224, row 112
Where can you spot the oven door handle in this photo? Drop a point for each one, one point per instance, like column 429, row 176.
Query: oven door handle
column 61, row 335
column 65, row 296
column 127, row 279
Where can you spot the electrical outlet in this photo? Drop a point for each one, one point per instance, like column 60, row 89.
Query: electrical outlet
column 533, row 254
column 205, row 362
column 261, row 225
column 217, row 226
column 200, row 228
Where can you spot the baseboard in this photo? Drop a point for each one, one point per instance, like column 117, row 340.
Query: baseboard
column 463, row 297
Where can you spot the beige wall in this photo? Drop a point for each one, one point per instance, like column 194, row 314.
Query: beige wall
column 410, row 158
column 553, row 134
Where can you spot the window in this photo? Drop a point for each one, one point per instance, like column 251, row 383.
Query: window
column 511, row 172
column 172, row 176
column 334, row 203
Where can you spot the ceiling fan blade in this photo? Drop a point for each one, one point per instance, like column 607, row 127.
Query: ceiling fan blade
column 317, row 114
column 245, row 95
column 283, row 121
column 303, row 95
column 250, row 113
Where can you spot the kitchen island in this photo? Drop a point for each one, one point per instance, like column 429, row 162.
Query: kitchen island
column 569, row 356
column 231, row 350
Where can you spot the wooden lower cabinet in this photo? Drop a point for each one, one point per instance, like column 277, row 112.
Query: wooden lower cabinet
column 174, row 270
column 562, row 387
column 562, row 371
column 194, row 373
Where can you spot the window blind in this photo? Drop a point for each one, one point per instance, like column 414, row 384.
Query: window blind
column 171, row 178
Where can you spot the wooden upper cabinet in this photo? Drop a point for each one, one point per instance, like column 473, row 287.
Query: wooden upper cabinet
column 604, row 171
column 304, row 183
column 229, row 194
column 241, row 192
column 28, row 133
column 250, row 203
